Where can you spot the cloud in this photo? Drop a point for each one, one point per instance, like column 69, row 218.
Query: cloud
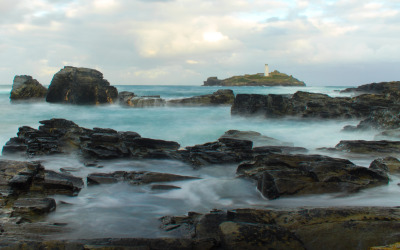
column 184, row 42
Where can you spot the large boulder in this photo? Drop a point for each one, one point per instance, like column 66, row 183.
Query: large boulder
column 371, row 148
column 219, row 97
column 287, row 175
column 80, row 86
column 25, row 87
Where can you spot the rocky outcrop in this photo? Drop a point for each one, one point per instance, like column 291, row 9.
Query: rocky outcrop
column 220, row 97
column 287, row 175
column 26, row 88
column 311, row 105
column 134, row 177
column 375, row 88
column 57, row 136
column 24, row 187
column 80, row 86
column 301, row 228
column 274, row 78
column 388, row 164
column 124, row 98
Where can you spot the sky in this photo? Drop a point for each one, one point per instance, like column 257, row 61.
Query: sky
column 183, row 42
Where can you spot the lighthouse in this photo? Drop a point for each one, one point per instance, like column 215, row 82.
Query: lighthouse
column 266, row 72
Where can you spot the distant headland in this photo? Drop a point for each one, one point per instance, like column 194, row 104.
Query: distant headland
column 274, row 78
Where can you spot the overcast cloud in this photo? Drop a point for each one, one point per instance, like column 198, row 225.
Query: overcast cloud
column 345, row 42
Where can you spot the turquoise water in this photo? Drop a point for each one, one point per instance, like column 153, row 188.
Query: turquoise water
column 121, row 210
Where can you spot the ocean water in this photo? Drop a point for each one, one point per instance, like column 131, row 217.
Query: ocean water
column 123, row 210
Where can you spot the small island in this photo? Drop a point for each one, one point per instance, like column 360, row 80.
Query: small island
column 274, row 78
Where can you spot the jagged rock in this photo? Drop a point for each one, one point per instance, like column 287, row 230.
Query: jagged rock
column 134, row 177
column 286, row 175
column 25, row 87
column 368, row 147
column 164, row 187
column 80, row 86
column 31, row 207
column 63, row 136
column 220, row 97
column 16, row 177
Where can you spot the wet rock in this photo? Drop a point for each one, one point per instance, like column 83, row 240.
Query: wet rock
column 25, row 87
column 393, row 134
column 369, row 147
column 241, row 235
column 147, row 102
column 257, row 138
column 375, row 88
column 31, row 207
column 310, row 105
column 134, row 177
column 51, row 182
column 124, row 98
column 387, row 164
column 164, row 187
column 80, row 86
column 16, row 177
column 223, row 151
column 287, row 175
column 220, row 97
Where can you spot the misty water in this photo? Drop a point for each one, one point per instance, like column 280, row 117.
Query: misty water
column 123, row 210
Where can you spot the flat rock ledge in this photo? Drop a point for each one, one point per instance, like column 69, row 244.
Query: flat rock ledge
column 299, row 228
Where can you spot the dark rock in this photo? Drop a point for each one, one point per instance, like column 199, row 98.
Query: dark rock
column 310, row 105
column 220, row 97
column 146, row 102
column 381, row 119
column 213, row 81
column 164, row 187
column 375, row 88
column 31, row 207
column 223, row 151
column 80, row 86
column 134, row 177
column 51, row 182
column 257, row 138
column 16, row 177
column 387, row 164
column 368, row 147
column 25, row 87
column 285, row 175
column 124, row 98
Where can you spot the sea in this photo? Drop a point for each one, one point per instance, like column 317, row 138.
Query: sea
column 123, row 210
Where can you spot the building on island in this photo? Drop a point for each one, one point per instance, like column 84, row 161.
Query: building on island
column 266, row 72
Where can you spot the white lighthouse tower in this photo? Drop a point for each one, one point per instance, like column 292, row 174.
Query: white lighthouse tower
column 266, row 73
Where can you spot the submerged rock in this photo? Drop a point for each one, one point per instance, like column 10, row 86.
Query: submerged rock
column 80, row 86
column 286, row 175
column 257, row 138
column 368, row 147
column 134, row 177
column 25, row 87
column 220, row 97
